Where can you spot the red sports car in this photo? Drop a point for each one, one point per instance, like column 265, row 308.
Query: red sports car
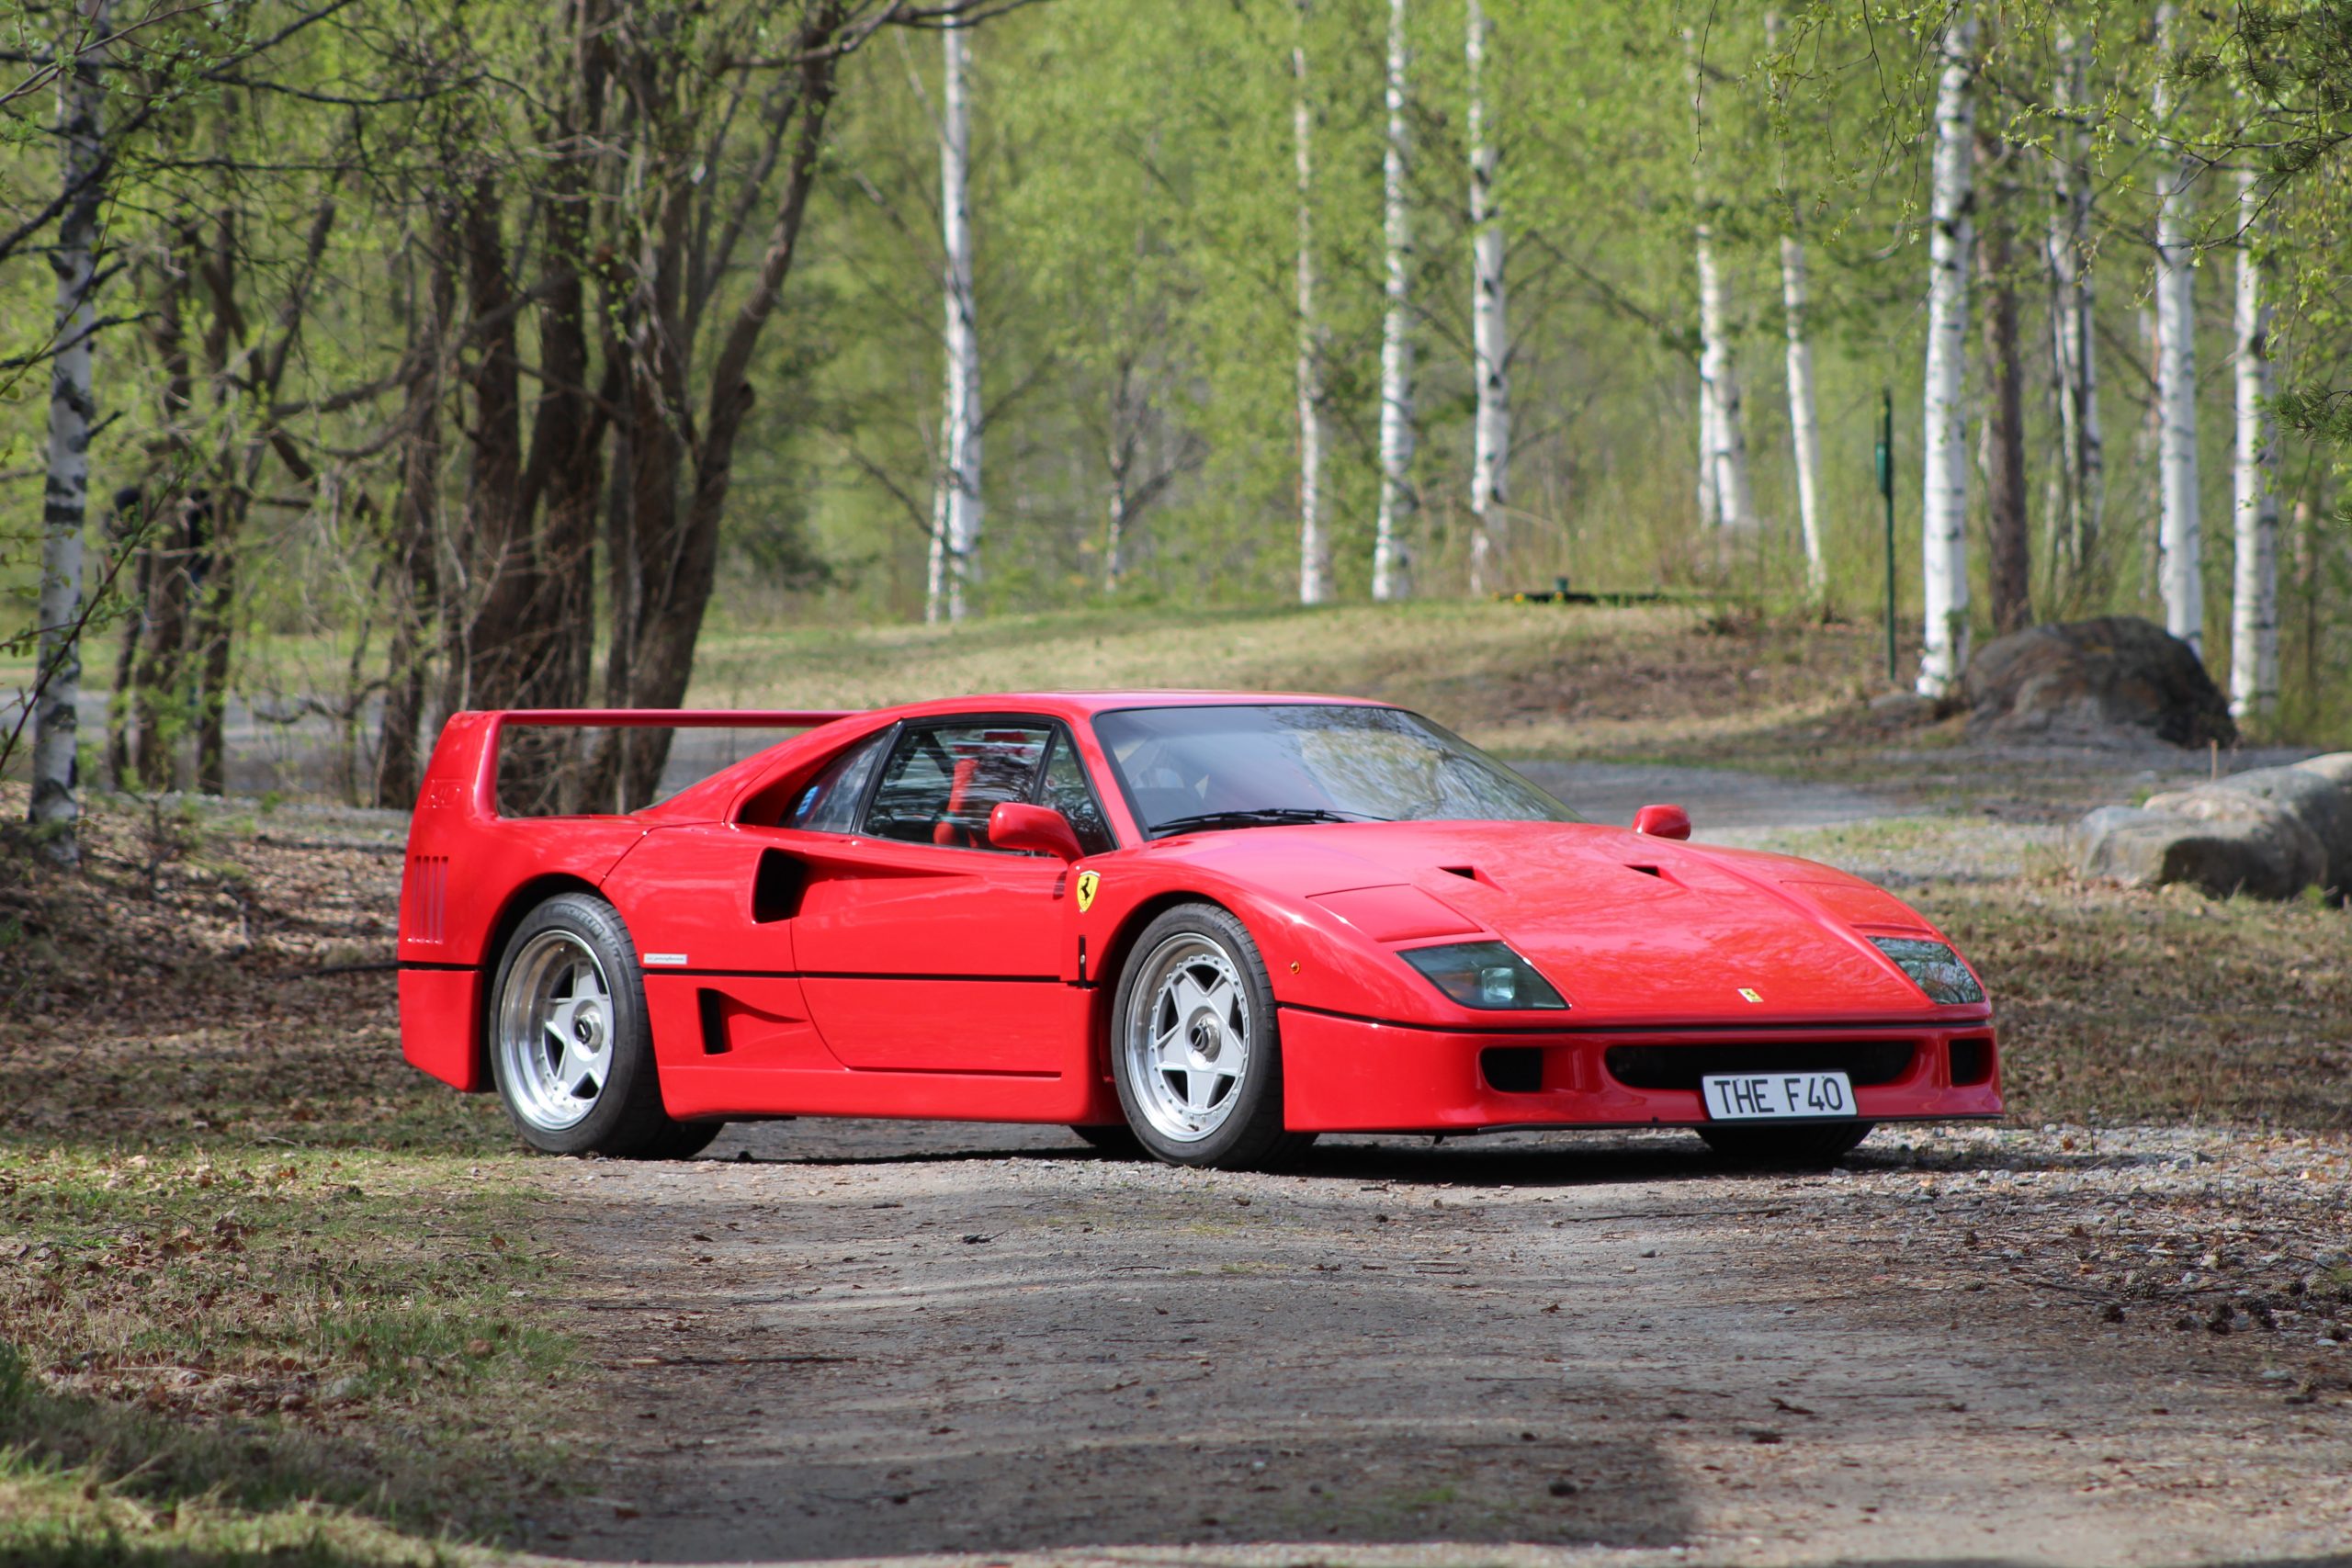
column 1211, row 925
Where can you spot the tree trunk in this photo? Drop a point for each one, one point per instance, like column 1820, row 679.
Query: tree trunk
column 1392, row 563
column 678, row 563
column 1489, row 332
column 1804, row 426
column 1314, row 543
column 1804, row 423
column 962, row 469
column 1735, row 503
column 1710, row 513
column 2253, row 602
column 2181, row 543
column 1944, row 466
column 416, row 542
column 2009, row 543
column 2083, row 463
column 73, row 407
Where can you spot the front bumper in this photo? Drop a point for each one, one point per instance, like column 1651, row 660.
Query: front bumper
column 1347, row 1075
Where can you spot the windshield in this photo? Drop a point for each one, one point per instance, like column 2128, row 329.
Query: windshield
column 1187, row 768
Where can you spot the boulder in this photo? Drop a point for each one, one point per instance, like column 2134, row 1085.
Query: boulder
column 2116, row 678
column 2237, row 843
column 2318, row 801
column 2335, row 767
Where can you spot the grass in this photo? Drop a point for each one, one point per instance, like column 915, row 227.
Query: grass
column 265, row 1293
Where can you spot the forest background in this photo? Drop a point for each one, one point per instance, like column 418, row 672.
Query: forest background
column 440, row 356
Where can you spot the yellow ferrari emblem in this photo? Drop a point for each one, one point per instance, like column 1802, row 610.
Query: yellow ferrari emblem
column 1744, row 992
column 1088, row 881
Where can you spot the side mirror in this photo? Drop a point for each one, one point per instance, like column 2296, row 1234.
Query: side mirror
column 1016, row 825
column 1657, row 821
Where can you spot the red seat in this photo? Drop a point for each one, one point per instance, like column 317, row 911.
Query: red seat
column 946, row 831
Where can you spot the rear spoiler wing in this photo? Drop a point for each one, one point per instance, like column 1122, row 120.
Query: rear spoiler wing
column 464, row 768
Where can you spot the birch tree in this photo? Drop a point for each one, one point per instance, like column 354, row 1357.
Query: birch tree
column 2179, row 538
column 1719, row 415
column 73, row 407
column 2008, row 544
column 1489, row 332
column 959, row 515
column 1391, row 558
column 1804, row 426
column 1314, row 543
column 1944, row 467
column 2073, row 345
column 2254, row 600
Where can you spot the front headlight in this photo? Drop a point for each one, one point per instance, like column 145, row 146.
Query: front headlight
column 1933, row 967
column 1484, row 975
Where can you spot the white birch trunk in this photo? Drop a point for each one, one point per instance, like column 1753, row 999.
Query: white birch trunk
column 1710, row 514
column 2180, row 544
column 1727, row 459
column 1804, row 427
column 935, row 602
column 1392, row 568
column 1489, row 332
column 1314, row 543
column 2253, row 602
column 73, row 407
column 962, row 530
column 2083, row 479
column 1951, row 237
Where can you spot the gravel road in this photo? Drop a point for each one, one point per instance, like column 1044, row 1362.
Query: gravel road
column 850, row 1340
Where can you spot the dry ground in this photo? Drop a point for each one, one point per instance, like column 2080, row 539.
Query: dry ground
column 276, row 1297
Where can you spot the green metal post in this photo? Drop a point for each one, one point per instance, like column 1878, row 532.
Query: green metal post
column 1886, row 494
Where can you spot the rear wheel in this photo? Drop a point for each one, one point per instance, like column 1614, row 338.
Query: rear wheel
column 1196, row 1051
column 569, row 1047
column 1815, row 1148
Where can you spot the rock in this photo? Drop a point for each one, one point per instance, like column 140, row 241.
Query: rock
column 2116, row 678
column 2322, row 804
column 2238, row 843
column 2335, row 767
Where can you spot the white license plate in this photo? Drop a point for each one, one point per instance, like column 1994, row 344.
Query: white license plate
column 1775, row 1097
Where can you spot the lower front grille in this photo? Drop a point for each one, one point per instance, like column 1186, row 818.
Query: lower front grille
column 1681, row 1067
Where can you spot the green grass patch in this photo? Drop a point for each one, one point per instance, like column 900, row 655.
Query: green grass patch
column 266, row 1294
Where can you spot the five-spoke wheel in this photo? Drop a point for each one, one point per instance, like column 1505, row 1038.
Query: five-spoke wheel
column 569, row 1044
column 1197, row 1054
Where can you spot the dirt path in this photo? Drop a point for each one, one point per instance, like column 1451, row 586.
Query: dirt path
column 875, row 1340
column 854, row 1340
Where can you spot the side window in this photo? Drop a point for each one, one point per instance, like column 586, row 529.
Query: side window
column 940, row 784
column 1065, row 789
column 828, row 803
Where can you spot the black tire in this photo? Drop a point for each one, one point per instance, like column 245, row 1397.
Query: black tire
column 621, row 1116
column 1813, row 1147
column 1115, row 1142
column 1246, row 1131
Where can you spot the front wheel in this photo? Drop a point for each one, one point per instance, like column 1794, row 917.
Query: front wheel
column 569, row 1047
column 1196, row 1051
column 1815, row 1148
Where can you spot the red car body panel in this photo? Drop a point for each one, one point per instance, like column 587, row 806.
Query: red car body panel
column 799, row 972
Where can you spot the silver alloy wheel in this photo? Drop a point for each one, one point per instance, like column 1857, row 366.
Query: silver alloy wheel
column 1188, row 1047
column 555, row 1032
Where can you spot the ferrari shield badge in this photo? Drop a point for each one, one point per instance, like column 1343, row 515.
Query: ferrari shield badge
column 1088, row 881
column 1750, row 995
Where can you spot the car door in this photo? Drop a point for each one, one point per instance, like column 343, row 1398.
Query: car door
column 921, row 947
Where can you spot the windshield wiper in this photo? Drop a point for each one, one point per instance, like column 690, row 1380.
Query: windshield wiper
column 1261, row 817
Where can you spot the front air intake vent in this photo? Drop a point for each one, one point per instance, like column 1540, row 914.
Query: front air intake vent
column 1513, row 1069
column 1865, row 1062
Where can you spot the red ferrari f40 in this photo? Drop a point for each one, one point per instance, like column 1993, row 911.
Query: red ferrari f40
column 1210, row 926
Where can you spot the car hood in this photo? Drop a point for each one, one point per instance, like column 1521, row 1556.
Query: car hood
column 1629, row 928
